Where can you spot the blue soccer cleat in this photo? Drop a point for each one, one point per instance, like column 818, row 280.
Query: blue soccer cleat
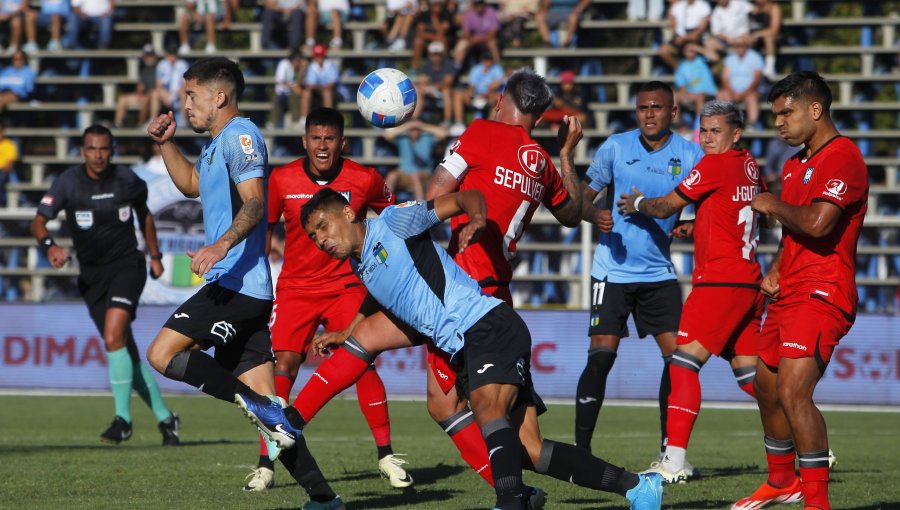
column 334, row 504
column 270, row 419
column 648, row 493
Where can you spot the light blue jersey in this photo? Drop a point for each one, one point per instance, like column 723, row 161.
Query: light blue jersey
column 236, row 154
column 415, row 279
column 637, row 249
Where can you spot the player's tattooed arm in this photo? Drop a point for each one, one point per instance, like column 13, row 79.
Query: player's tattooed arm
column 660, row 207
column 442, row 183
column 571, row 211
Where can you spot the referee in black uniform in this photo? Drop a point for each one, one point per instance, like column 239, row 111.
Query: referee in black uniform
column 101, row 201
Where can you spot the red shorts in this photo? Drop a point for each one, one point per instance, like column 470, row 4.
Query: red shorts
column 725, row 320
column 439, row 361
column 297, row 315
column 801, row 328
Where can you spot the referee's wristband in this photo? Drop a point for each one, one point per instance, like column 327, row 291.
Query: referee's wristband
column 156, row 257
column 637, row 203
column 46, row 242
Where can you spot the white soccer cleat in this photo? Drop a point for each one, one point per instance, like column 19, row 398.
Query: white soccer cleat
column 261, row 479
column 391, row 467
column 832, row 459
column 688, row 472
column 680, row 476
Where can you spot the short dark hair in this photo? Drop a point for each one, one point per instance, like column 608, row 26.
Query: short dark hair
column 328, row 117
column 97, row 129
column 802, row 84
column 217, row 69
column 729, row 110
column 529, row 92
column 656, row 85
column 325, row 198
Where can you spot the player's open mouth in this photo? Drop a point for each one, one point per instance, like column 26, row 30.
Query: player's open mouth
column 322, row 155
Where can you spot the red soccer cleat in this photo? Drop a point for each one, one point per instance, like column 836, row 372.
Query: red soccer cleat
column 767, row 494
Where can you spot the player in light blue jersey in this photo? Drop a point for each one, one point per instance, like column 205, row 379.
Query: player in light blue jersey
column 632, row 272
column 231, row 311
column 417, row 291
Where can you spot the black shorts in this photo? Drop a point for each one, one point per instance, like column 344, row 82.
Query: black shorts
column 498, row 351
column 656, row 307
column 237, row 325
column 118, row 284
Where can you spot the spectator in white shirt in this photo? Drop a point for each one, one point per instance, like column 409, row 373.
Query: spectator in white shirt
column 288, row 89
column 95, row 14
column 169, row 91
column 729, row 22
column 688, row 20
column 742, row 75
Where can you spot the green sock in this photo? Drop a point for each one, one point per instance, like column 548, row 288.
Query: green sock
column 145, row 385
column 121, row 375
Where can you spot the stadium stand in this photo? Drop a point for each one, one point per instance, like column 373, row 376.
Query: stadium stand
column 857, row 53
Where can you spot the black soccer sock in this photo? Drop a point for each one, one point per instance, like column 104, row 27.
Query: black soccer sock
column 590, row 392
column 505, row 453
column 300, row 463
column 572, row 464
column 203, row 372
column 294, row 417
column 265, row 462
column 384, row 451
column 665, row 388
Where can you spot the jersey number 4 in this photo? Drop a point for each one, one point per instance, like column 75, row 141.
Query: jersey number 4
column 515, row 230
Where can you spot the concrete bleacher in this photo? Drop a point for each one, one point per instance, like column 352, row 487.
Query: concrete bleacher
column 117, row 68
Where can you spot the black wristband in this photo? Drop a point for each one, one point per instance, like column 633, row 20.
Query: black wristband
column 46, row 242
column 156, row 257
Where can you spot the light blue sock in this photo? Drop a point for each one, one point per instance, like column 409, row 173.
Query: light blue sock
column 145, row 385
column 121, row 376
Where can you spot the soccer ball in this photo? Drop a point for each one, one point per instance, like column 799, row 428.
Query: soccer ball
column 386, row 97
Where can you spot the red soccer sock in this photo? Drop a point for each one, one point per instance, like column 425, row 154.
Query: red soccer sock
column 473, row 450
column 781, row 469
column 748, row 389
column 373, row 404
column 334, row 375
column 283, row 385
column 815, row 487
column 684, row 405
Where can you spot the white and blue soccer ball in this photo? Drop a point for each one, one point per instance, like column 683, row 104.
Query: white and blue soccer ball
column 386, row 97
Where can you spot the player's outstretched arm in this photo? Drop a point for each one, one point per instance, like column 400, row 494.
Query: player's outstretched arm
column 660, row 207
column 148, row 229
column 470, row 202
column 182, row 171
column 817, row 219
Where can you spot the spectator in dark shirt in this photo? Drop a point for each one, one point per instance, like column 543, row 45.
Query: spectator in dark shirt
column 140, row 98
column 569, row 101
column 431, row 25
column 435, row 81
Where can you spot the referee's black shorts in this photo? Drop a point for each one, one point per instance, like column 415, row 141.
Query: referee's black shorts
column 118, row 285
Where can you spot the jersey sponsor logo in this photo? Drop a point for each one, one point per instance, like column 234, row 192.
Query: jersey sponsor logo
column 47, row 200
column 102, row 196
column 298, row 196
column 751, row 169
column 124, row 213
column 794, row 345
column 674, row 167
column 181, row 315
column 246, row 143
column 223, row 330
column 631, row 162
column 807, row 176
column 682, row 333
column 441, row 374
column 692, row 180
column 380, row 253
column 484, row 368
column 84, row 219
column 524, row 184
column 835, row 188
column 532, row 160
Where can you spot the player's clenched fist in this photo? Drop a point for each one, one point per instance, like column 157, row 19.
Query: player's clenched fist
column 162, row 128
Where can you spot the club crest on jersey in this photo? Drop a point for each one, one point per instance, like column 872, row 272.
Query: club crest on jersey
column 380, row 253
column 835, row 188
column 674, row 166
column 752, row 170
column 692, row 180
column 246, row 143
column 808, row 175
column 84, row 219
column 124, row 213
column 532, row 160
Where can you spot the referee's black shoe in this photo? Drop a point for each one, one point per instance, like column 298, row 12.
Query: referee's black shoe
column 169, row 429
column 118, row 431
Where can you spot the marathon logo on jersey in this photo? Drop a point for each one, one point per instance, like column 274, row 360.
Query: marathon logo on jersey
column 751, row 169
column 380, row 253
column 246, row 143
column 835, row 188
column 794, row 346
column 124, row 213
column 532, row 160
column 692, row 180
column 84, row 219
column 47, row 200
column 807, row 176
column 674, row 167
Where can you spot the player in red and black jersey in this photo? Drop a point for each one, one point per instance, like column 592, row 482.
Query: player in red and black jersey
column 726, row 273
column 314, row 289
column 812, row 286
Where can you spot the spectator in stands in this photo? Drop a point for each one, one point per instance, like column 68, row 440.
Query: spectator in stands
column 16, row 14
column 552, row 13
column 322, row 75
column 169, row 90
column 513, row 16
column 435, row 82
column 485, row 82
column 688, row 20
column 480, row 27
column 431, row 25
column 204, row 13
column 140, row 98
column 765, row 26
column 288, row 89
column 415, row 142
column 777, row 154
column 398, row 22
column 742, row 74
column 694, row 82
column 294, row 16
column 9, row 155
column 335, row 14
column 16, row 81
column 729, row 22
column 53, row 12
column 96, row 14
column 569, row 101
column 645, row 9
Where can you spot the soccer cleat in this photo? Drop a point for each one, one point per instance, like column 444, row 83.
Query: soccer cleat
column 334, row 504
column 648, row 493
column 261, row 479
column 270, row 419
column 767, row 494
column 690, row 472
column 668, row 478
column 273, row 450
column 118, row 431
column 534, row 498
column 391, row 467
column 169, row 429
column 832, row 459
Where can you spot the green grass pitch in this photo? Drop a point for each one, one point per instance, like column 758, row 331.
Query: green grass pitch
column 51, row 457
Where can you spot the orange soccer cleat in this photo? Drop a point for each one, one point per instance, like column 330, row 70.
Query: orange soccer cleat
column 767, row 494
